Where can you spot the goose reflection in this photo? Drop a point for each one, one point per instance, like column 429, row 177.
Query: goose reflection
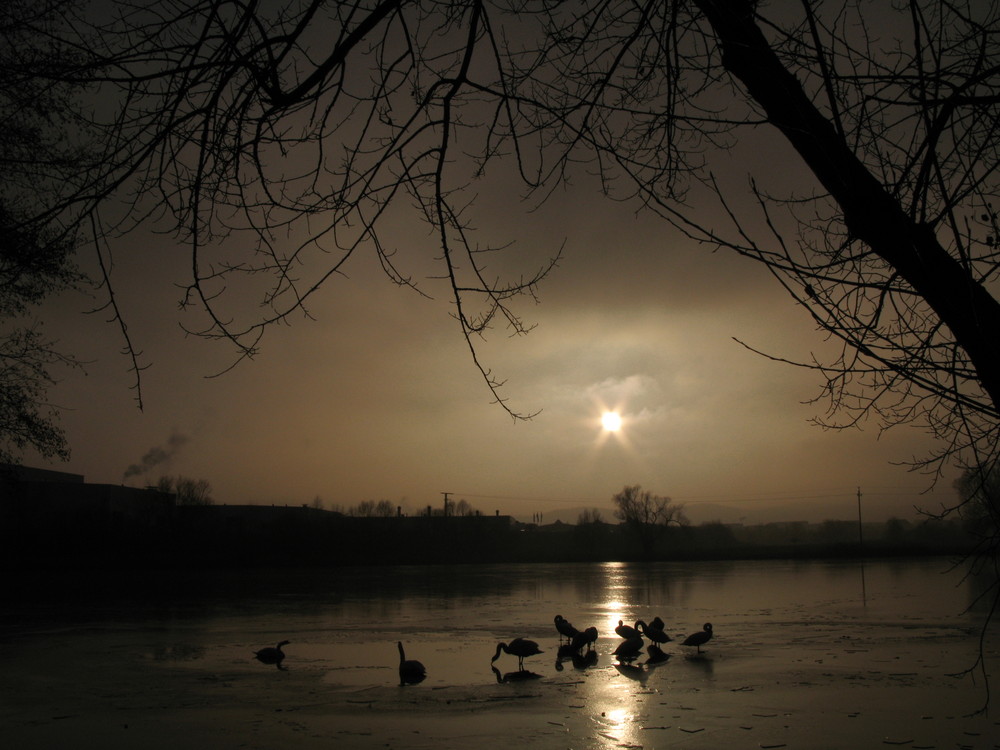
column 641, row 673
column 519, row 647
column 519, row 676
column 657, row 655
column 585, row 660
column 581, row 660
column 566, row 651
column 272, row 655
column 629, row 649
column 411, row 671
column 633, row 672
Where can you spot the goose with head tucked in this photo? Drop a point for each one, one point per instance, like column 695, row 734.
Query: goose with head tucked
column 565, row 628
column 587, row 637
column 655, row 634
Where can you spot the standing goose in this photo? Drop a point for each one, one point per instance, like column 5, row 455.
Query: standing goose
column 655, row 634
column 627, row 631
column 411, row 671
column 566, row 630
column 271, row 654
column 584, row 638
column 700, row 638
column 519, row 647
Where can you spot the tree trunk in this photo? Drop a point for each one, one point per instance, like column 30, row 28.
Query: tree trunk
column 871, row 214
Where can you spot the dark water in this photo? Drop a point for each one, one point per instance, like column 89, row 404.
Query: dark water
column 343, row 624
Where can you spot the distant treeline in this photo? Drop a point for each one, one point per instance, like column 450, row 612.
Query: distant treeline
column 118, row 527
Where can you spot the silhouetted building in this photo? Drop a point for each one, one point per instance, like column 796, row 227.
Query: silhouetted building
column 56, row 515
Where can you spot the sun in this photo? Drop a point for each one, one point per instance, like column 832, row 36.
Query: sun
column 611, row 421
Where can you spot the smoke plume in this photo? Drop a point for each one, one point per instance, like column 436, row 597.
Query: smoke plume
column 157, row 455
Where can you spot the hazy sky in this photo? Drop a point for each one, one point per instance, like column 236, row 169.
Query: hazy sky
column 376, row 397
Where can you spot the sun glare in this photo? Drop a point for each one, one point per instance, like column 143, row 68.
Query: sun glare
column 611, row 421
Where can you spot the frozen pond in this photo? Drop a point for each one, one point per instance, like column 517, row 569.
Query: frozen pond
column 155, row 641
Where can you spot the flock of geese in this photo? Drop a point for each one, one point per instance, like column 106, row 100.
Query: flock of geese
column 573, row 644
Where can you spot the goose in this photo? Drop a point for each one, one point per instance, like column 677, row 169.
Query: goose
column 655, row 634
column 519, row 647
column 411, row 671
column 565, row 628
column 626, row 631
column 700, row 638
column 629, row 649
column 584, row 638
column 271, row 654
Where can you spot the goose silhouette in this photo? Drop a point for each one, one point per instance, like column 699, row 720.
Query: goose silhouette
column 584, row 638
column 271, row 654
column 519, row 647
column 700, row 638
column 411, row 671
column 626, row 631
column 655, row 634
column 566, row 630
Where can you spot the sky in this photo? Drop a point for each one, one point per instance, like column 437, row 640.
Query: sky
column 375, row 396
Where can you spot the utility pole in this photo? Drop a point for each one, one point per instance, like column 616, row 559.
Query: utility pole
column 446, row 502
column 861, row 552
column 861, row 538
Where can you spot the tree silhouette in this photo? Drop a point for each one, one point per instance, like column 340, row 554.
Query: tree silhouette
column 35, row 258
column 647, row 516
column 187, row 491
column 979, row 493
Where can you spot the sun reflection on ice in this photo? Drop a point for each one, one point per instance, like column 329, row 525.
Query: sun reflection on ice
column 618, row 725
column 615, row 606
